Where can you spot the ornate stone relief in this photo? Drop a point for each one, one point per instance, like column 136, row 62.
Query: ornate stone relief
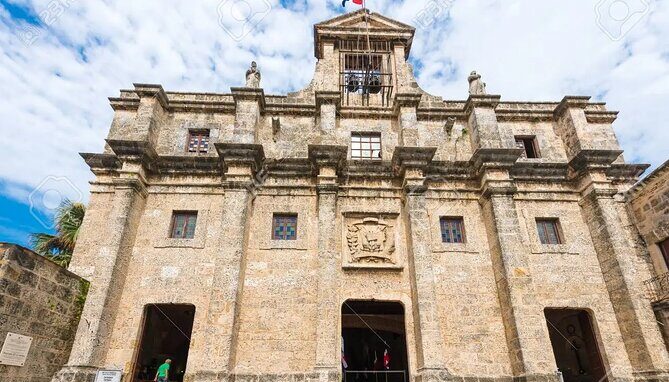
column 370, row 241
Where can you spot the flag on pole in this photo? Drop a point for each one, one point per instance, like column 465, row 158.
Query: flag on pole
column 343, row 3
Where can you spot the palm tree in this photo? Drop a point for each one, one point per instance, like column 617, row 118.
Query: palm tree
column 59, row 247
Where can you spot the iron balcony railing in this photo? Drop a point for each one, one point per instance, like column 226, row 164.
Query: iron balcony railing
column 657, row 288
column 375, row 376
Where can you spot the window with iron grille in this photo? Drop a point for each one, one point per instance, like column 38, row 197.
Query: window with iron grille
column 529, row 146
column 366, row 146
column 549, row 231
column 452, row 230
column 198, row 141
column 183, row 224
column 284, row 227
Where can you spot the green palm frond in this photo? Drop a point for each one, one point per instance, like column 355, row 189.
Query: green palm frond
column 59, row 247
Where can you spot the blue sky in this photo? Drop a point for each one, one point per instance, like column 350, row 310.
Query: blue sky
column 61, row 59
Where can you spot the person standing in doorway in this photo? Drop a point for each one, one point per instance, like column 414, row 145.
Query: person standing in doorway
column 163, row 371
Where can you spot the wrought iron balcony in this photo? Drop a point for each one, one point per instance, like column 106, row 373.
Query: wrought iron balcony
column 658, row 288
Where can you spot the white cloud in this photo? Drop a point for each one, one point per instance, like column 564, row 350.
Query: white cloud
column 55, row 90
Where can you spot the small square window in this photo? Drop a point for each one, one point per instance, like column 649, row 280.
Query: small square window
column 284, row 227
column 452, row 230
column 198, row 141
column 366, row 146
column 529, row 146
column 549, row 231
column 183, row 224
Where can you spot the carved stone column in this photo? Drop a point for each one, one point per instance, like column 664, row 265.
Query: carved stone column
column 327, row 161
column 249, row 104
column 624, row 267
column 405, row 108
column 241, row 161
column 105, row 263
column 410, row 164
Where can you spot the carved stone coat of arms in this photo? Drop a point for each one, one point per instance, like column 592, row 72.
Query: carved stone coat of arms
column 371, row 240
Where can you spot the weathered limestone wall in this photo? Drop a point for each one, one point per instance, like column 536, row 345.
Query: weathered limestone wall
column 42, row 300
column 649, row 204
column 269, row 310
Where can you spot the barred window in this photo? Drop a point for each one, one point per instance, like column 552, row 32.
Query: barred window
column 549, row 231
column 366, row 146
column 198, row 141
column 284, row 227
column 452, row 230
column 183, row 224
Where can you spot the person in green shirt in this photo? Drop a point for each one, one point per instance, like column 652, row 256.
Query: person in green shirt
column 163, row 371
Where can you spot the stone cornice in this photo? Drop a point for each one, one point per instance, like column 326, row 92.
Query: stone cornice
column 152, row 91
column 324, row 97
column 592, row 159
column 600, row 116
column 188, row 164
column 405, row 157
column 494, row 158
column 251, row 155
column 540, row 171
column 133, row 151
column 249, row 94
column 104, row 162
column 579, row 102
column 328, row 155
column 485, row 100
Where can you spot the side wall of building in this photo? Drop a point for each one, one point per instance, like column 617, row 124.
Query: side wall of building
column 42, row 300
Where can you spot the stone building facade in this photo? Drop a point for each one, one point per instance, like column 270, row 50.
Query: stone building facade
column 41, row 300
column 648, row 202
column 286, row 236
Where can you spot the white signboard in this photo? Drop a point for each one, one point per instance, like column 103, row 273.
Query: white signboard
column 15, row 349
column 108, row 376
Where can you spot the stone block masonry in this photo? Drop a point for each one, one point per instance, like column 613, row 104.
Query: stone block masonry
column 42, row 300
column 484, row 300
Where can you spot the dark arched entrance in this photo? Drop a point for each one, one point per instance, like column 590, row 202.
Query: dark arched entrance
column 166, row 332
column 373, row 342
column 575, row 345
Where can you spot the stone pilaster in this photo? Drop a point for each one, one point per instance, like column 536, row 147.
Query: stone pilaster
column 527, row 336
column 327, row 104
column 241, row 163
column 327, row 161
column 405, row 108
column 151, row 112
column 249, row 104
column 106, row 263
column 624, row 267
column 411, row 163
column 482, row 120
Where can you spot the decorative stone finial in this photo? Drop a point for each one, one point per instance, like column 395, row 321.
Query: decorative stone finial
column 476, row 86
column 253, row 76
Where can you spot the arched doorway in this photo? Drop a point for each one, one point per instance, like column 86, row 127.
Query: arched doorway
column 373, row 342
column 166, row 332
column 575, row 345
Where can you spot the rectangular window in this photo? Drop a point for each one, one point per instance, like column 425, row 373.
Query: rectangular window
column 549, row 231
column 664, row 248
column 198, row 141
column 284, row 227
column 452, row 230
column 366, row 146
column 183, row 224
column 529, row 145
